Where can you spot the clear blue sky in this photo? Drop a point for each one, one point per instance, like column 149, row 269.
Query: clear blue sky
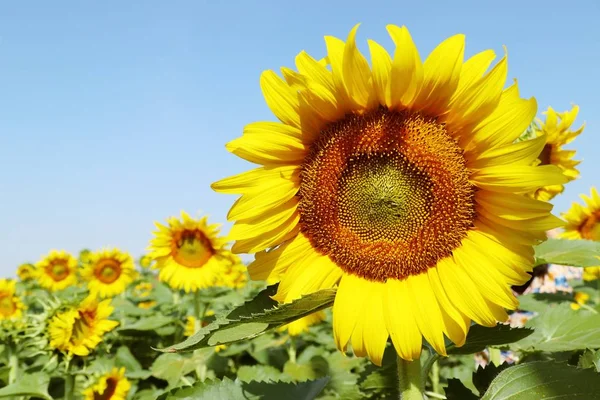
column 114, row 114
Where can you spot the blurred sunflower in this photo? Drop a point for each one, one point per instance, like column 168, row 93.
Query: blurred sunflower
column 112, row 386
column 579, row 299
column 84, row 256
column 583, row 221
column 26, row 272
column 143, row 289
column 557, row 131
column 189, row 253
column 11, row 306
column 146, row 304
column 301, row 325
column 400, row 183
column 80, row 329
column 234, row 274
column 56, row 271
column 108, row 272
column 145, row 261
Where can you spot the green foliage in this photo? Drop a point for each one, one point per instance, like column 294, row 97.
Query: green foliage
column 579, row 253
column 541, row 380
column 456, row 390
column 480, row 337
column 28, row 385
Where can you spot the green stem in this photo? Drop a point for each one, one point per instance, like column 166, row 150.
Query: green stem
column 409, row 379
column 495, row 356
column 435, row 377
column 292, row 350
column 13, row 363
column 199, row 310
column 69, row 383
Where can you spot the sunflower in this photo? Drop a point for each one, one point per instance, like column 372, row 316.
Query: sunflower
column 557, row 131
column 143, row 289
column 583, row 221
column 108, row 272
column 189, row 253
column 80, row 329
column 112, row 386
column 11, row 306
column 25, row 272
column 579, row 299
column 234, row 274
column 56, row 271
column 145, row 261
column 401, row 183
column 301, row 325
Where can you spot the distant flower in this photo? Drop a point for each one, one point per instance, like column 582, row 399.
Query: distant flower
column 11, row 306
column 108, row 272
column 56, row 271
column 112, row 386
column 26, row 272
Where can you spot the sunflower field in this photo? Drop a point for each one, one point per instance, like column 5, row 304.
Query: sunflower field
column 398, row 221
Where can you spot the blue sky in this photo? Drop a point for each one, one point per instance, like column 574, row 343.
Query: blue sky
column 115, row 114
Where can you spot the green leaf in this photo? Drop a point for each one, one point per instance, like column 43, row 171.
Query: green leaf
column 247, row 322
column 171, row 367
column 315, row 368
column 544, row 379
column 539, row 302
column 483, row 377
column 259, row 373
column 480, row 337
column 457, row 391
column 562, row 329
column 148, row 324
column 382, row 381
column 133, row 368
column 578, row 253
column 590, row 359
column 28, row 385
column 237, row 390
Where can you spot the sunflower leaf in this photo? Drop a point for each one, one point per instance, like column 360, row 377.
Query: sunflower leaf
column 35, row 385
column 544, row 379
column 457, row 391
column 590, row 359
column 562, row 329
column 237, row 390
column 578, row 253
column 253, row 319
column 480, row 337
column 148, row 324
column 483, row 377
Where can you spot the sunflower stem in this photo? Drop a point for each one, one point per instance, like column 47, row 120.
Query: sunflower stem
column 13, row 363
column 292, row 350
column 69, row 382
column 199, row 309
column 435, row 377
column 409, row 379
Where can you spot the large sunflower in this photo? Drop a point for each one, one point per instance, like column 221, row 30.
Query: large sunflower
column 189, row 253
column 557, row 131
column 112, row 386
column 401, row 183
column 11, row 306
column 57, row 270
column 108, row 272
column 79, row 330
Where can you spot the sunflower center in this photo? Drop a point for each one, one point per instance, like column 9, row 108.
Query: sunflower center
column 108, row 270
column 191, row 248
column 111, row 387
column 385, row 194
column 7, row 305
column 590, row 229
column 58, row 270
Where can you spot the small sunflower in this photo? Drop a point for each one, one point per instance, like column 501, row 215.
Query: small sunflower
column 189, row 253
column 26, row 272
column 56, row 271
column 233, row 275
column 112, row 386
column 583, row 221
column 84, row 256
column 80, row 329
column 108, row 272
column 401, row 183
column 11, row 306
column 145, row 305
column 143, row 289
column 579, row 299
column 145, row 261
column 301, row 325
column 557, row 131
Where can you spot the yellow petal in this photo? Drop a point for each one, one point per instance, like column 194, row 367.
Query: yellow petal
column 520, row 153
column 315, row 71
column 370, row 334
column 262, row 198
column 268, row 149
column 472, row 70
column 281, row 98
column 265, row 222
column 400, row 320
column 382, row 64
column 406, row 75
column 518, row 178
column 280, row 234
column 335, row 54
column 356, row 72
column 249, row 180
column 512, row 206
column 348, row 307
column 270, row 265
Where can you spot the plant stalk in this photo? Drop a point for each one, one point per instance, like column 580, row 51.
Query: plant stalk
column 13, row 364
column 409, row 379
column 69, row 383
column 199, row 310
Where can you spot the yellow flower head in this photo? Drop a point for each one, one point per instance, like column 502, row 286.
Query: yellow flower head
column 583, row 222
column 26, row 272
column 146, row 261
column 79, row 330
column 11, row 306
column 108, row 272
column 146, row 304
column 189, row 253
column 558, row 133
column 401, row 183
column 112, row 386
column 301, row 325
column 579, row 299
column 591, row 273
column 84, row 256
column 143, row 289
column 56, row 271
column 234, row 274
